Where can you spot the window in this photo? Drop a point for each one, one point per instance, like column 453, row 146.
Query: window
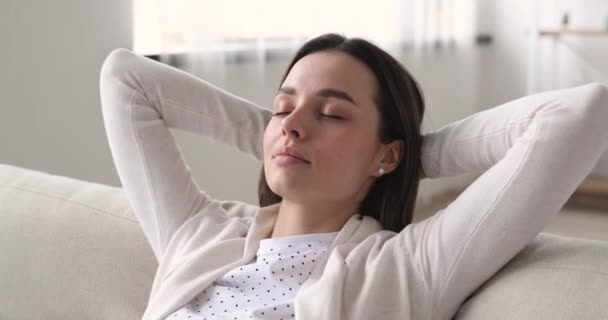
column 177, row 26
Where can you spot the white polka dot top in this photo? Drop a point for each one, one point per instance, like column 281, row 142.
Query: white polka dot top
column 264, row 288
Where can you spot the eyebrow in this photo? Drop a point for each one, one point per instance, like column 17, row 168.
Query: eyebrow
column 327, row 92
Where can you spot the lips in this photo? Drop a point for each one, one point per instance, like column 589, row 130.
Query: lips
column 289, row 151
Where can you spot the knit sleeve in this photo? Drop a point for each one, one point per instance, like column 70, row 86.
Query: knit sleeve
column 141, row 100
column 533, row 152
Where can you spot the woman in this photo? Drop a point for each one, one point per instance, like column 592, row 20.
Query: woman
column 332, row 238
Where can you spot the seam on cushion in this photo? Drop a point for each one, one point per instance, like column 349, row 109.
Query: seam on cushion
column 569, row 268
column 54, row 196
column 147, row 171
column 485, row 215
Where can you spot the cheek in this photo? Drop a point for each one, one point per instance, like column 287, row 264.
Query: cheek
column 266, row 148
column 360, row 153
column 270, row 137
column 346, row 154
column 265, row 140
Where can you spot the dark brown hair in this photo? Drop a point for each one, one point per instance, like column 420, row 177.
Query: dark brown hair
column 392, row 197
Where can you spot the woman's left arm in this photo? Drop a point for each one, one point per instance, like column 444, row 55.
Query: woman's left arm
column 535, row 151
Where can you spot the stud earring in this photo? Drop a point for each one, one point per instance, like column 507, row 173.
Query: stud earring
column 381, row 171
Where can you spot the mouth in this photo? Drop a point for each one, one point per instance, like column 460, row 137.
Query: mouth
column 284, row 160
column 288, row 152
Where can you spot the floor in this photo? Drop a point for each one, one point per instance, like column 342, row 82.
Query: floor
column 582, row 217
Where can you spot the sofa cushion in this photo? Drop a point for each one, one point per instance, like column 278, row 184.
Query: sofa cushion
column 71, row 249
column 554, row 277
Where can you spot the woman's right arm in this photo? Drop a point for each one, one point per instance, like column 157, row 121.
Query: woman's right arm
column 535, row 151
column 141, row 99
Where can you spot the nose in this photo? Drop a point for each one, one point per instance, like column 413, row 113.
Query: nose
column 293, row 125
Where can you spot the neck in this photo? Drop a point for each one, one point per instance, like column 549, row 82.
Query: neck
column 299, row 219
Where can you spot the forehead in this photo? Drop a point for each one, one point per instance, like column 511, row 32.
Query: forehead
column 332, row 69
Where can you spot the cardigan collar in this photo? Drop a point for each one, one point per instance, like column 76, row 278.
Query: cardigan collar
column 356, row 229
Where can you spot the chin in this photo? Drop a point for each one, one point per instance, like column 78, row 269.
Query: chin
column 293, row 192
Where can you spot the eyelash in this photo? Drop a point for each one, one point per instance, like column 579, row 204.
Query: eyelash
column 325, row 115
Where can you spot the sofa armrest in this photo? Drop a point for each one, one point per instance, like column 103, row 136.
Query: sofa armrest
column 73, row 248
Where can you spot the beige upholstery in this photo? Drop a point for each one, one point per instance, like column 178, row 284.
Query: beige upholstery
column 72, row 249
column 554, row 277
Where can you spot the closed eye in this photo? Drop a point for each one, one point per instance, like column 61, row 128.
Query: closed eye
column 325, row 115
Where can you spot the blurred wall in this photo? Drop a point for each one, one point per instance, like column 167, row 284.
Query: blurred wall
column 50, row 59
column 520, row 62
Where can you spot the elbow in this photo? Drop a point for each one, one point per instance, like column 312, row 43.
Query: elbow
column 117, row 75
column 116, row 65
column 592, row 100
column 595, row 99
column 598, row 88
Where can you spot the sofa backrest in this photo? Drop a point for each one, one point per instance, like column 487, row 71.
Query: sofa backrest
column 71, row 249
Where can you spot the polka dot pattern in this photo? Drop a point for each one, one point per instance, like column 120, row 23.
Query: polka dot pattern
column 264, row 288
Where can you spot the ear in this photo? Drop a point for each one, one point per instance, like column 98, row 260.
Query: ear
column 390, row 156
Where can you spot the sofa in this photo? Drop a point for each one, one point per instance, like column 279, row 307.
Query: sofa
column 73, row 249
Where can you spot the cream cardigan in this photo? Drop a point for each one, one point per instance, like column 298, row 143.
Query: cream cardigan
column 532, row 153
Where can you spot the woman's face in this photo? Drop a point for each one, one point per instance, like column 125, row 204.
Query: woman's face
column 342, row 154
